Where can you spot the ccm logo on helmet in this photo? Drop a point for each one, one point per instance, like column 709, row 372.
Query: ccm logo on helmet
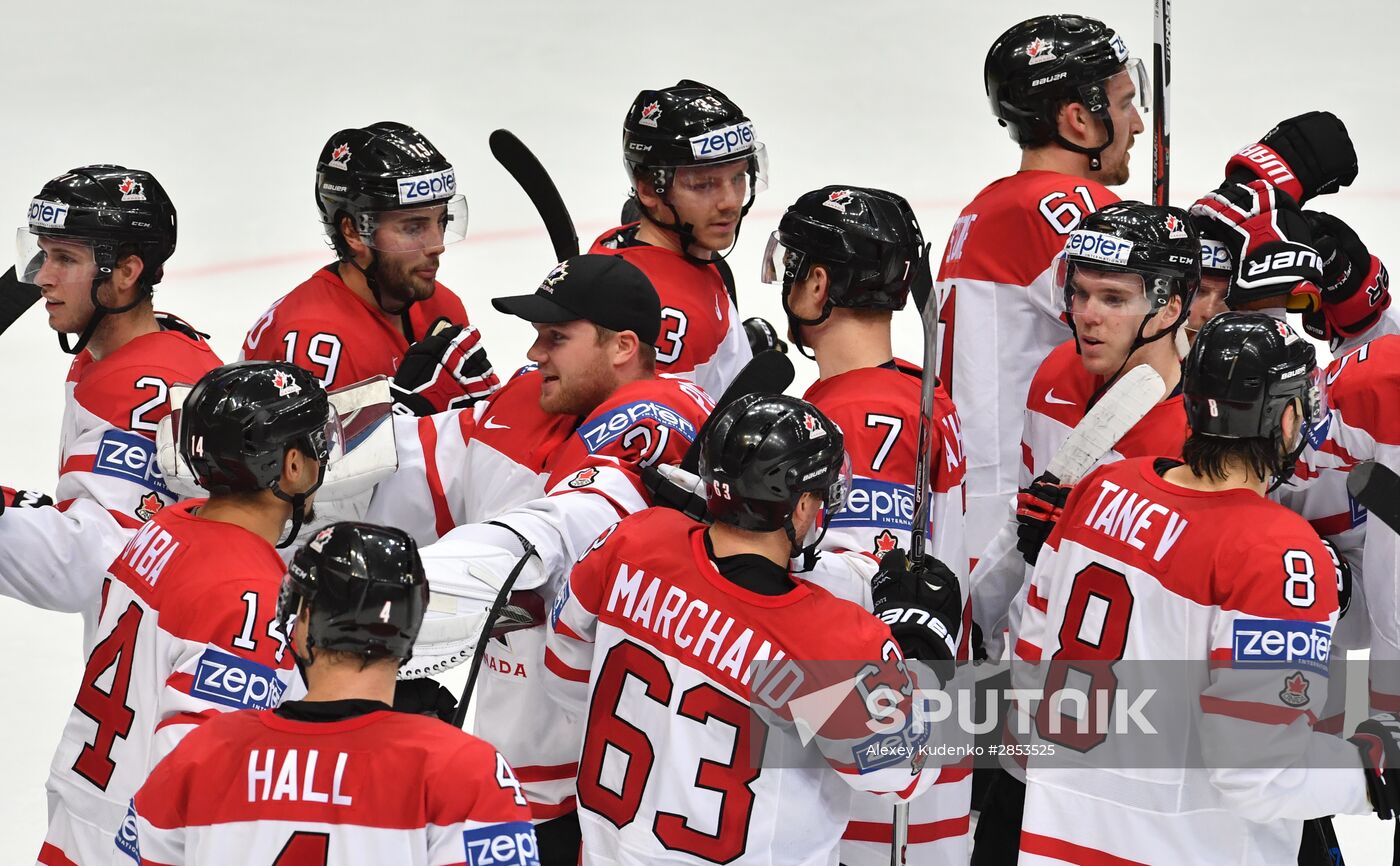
column 428, row 187
column 723, row 142
column 1099, row 246
column 47, row 213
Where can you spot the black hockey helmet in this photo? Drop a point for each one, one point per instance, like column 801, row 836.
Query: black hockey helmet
column 868, row 239
column 688, row 124
column 382, row 167
column 1243, row 369
column 118, row 212
column 239, row 420
column 762, row 452
column 1157, row 244
column 362, row 588
column 1042, row 63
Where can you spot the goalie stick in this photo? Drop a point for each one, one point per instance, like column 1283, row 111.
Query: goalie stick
column 520, row 619
column 15, row 298
column 517, row 159
column 1116, row 412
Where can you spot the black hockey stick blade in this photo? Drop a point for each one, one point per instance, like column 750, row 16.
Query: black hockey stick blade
column 769, row 372
column 921, row 287
column 517, row 159
column 15, row 298
column 1378, row 489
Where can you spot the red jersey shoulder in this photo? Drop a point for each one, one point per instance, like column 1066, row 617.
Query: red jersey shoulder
column 1358, row 385
column 669, row 408
column 1061, row 387
column 1014, row 227
column 1277, row 567
column 514, row 424
column 1161, row 432
column 129, row 388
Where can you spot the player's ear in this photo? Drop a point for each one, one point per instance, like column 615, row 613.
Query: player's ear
column 126, row 275
column 1075, row 122
column 625, row 347
column 820, row 284
column 356, row 244
column 646, row 194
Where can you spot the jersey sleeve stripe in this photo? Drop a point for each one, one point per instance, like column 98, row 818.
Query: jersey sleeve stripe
column 1045, row 846
column 50, row 855
column 1036, row 600
column 929, row 831
column 186, row 718
column 1253, row 711
column 1027, row 650
column 557, row 667
column 541, row 773
column 427, row 434
column 562, row 629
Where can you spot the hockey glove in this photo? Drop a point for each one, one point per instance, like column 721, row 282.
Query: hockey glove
column 424, row 697
column 1343, row 577
column 922, row 605
column 446, row 370
column 1305, row 156
column 1038, row 509
column 1271, row 244
column 11, row 498
column 762, row 336
column 1378, row 740
column 673, row 487
column 1355, row 286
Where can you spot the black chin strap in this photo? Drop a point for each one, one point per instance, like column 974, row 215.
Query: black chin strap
column 685, row 232
column 1092, row 152
column 99, row 312
column 371, row 275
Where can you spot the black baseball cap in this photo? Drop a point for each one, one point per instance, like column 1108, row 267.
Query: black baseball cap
column 606, row 290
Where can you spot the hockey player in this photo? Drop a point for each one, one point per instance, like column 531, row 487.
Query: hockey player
column 697, row 626
column 96, row 245
column 579, row 428
column 389, row 205
column 336, row 778
column 846, row 257
column 1066, row 89
column 1208, row 562
column 694, row 165
column 188, row 626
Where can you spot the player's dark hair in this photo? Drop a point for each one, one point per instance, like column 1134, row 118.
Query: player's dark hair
column 337, row 238
column 1211, row 456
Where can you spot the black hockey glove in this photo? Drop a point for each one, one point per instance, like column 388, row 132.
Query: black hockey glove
column 1305, row 156
column 11, row 498
column 1270, row 241
column 1378, row 740
column 922, row 605
column 762, row 336
column 673, row 487
column 424, row 697
column 448, row 369
column 1038, row 509
column 1355, row 286
column 1343, row 577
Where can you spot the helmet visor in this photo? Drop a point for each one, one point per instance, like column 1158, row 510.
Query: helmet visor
column 54, row 260
column 1316, row 408
column 411, row 229
column 743, row 173
column 840, row 489
column 781, row 263
column 1091, row 292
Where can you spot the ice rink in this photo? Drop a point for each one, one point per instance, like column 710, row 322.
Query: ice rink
column 228, row 105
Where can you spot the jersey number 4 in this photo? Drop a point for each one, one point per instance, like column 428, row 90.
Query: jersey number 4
column 608, row 735
column 108, row 706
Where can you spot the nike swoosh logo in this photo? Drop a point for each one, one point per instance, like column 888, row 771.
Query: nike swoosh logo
column 1051, row 398
column 490, row 426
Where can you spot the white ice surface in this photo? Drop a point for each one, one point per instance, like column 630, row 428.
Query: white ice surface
column 228, row 104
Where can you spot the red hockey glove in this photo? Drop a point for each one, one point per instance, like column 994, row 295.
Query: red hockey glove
column 1271, row 244
column 1305, row 156
column 1378, row 740
column 1355, row 286
column 11, row 498
column 1038, row 509
column 922, row 605
column 446, row 370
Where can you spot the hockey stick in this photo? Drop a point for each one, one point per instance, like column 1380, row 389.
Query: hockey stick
column 459, row 716
column 1161, row 99
column 15, row 298
column 517, row 159
column 1377, row 488
column 1119, row 409
column 768, row 372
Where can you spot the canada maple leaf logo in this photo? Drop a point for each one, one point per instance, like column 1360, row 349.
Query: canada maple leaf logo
column 583, row 477
column 1295, row 690
column 150, row 504
column 884, row 543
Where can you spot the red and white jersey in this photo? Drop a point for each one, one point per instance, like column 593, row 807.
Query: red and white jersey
column 1239, row 595
column 1001, row 317
column 877, row 409
column 383, row 787
column 1057, row 400
column 107, row 447
column 656, row 651
column 497, row 461
column 323, row 327
column 702, row 337
column 187, row 631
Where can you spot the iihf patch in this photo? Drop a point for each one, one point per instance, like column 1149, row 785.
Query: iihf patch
column 1295, row 690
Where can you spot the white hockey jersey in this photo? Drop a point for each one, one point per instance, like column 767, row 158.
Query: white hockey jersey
column 696, row 701
column 187, row 630
column 1140, row 570
column 1000, row 316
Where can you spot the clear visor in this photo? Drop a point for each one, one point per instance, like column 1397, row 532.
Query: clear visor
column 1092, row 293
column 743, row 174
column 329, row 443
column 840, row 491
column 780, row 263
column 1135, row 73
column 53, row 261
column 411, row 229
column 1315, row 407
